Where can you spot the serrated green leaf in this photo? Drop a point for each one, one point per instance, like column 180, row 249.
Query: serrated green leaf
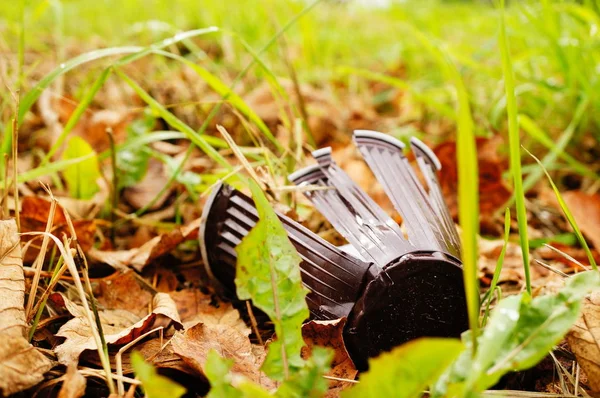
column 407, row 370
column 155, row 385
column 81, row 177
column 521, row 331
column 309, row 381
column 268, row 273
column 133, row 162
column 217, row 370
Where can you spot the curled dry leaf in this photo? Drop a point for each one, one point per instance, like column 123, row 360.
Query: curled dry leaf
column 584, row 339
column 74, row 384
column 329, row 334
column 196, row 307
column 140, row 257
column 119, row 326
column 194, row 344
column 21, row 365
column 586, row 210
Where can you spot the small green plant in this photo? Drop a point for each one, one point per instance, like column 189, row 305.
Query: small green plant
column 81, row 177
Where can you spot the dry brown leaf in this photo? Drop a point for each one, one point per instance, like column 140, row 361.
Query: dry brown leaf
column 196, row 307
column 194, row 344
column 123, row 291
column 34, row 215
column 329, row 334
column 74, row 384
column 146, row 190
column 493, row 191
column 586, row 210
column 158, row 246
column 21, row 365
column 119, row 326
column 512, row 267
column 12, row 282
column 584, row 339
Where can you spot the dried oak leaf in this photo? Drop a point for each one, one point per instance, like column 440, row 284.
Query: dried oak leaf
column 329, row 334
column 194, row 344
column 586, row 210
column 74, row 384
column 196, row 307
column 119, row 326
column 584, row 339
column 21, row 365
column 140, row 257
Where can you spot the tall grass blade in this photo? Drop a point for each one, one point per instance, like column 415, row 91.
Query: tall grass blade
column 534, row 131
column 515, row 147
column 468, row 180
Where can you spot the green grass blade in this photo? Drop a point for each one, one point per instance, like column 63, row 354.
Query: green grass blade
column 515, row 148
column 175, row 122
column 50, row 168
column 487, row 299
column 534, row 131
column 76, row 115
column 560, row 145
column 165, row 43
column 468, row 180
column 32, row 96
column 568, row 215
column 224, row 91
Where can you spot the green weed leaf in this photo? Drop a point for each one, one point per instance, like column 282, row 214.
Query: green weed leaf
column 519, row 333
column 155, row 385
column 268, row 273
column 309, row 381
column 81, row 177
column 407, row 370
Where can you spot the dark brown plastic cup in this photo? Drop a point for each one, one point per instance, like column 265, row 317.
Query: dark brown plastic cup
column 417, row 294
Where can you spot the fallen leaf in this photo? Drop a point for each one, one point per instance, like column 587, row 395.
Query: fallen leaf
column 12, row 282
column 74, row 384
column 158, row 246
column 584, row 339
column 21, row 364
column 34, row 215
column 586, row 211
column 119, row 326
column 123, row 291
column 196, row 307
column 493, row 191
column 149, row 187
column 329, row 334
column 194, row 344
